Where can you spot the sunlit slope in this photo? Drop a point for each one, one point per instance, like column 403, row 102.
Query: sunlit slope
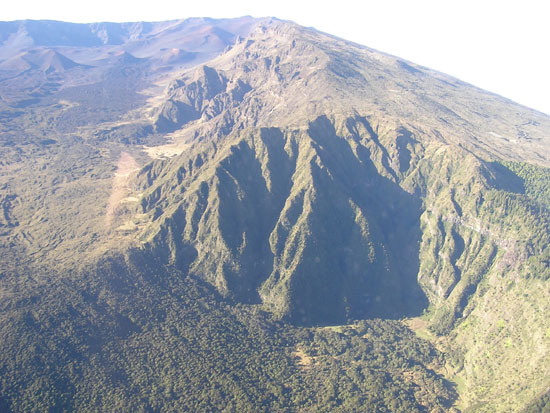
column 191, row 183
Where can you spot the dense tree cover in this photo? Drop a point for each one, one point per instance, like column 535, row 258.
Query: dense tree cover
column 145, row 339
column 378, row 364
column 536, row 180
column 522, row 207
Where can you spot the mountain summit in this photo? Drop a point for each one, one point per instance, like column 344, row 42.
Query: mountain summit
column 254, row 178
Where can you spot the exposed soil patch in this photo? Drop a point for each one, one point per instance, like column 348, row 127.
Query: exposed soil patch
column 304, row 361
column 119, row 193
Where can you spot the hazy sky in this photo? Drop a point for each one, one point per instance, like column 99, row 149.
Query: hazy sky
column 501, row 46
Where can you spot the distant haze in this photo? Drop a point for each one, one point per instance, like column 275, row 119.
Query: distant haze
column 500, row 46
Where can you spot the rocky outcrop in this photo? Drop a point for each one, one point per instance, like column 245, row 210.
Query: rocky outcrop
column 206, row 97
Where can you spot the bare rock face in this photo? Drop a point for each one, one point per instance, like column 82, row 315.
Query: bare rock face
column 206, row 97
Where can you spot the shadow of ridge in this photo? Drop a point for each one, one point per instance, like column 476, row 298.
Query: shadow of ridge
column 504, row 178
column 345, row 285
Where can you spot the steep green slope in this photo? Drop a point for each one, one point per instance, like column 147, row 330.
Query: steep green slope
column 272, row 208
column 358, row 195
column 477, row 238
column 191, row 248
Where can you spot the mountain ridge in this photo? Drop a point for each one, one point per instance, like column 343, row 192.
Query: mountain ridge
column 289, row 174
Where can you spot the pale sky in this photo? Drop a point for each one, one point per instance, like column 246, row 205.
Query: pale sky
column 498, row 45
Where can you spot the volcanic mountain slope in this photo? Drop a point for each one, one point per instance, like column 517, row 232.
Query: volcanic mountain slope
column 388, row 182
column 110, row 52
column 293, row 173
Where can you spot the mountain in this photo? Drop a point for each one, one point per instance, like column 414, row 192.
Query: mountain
column 249, row 215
